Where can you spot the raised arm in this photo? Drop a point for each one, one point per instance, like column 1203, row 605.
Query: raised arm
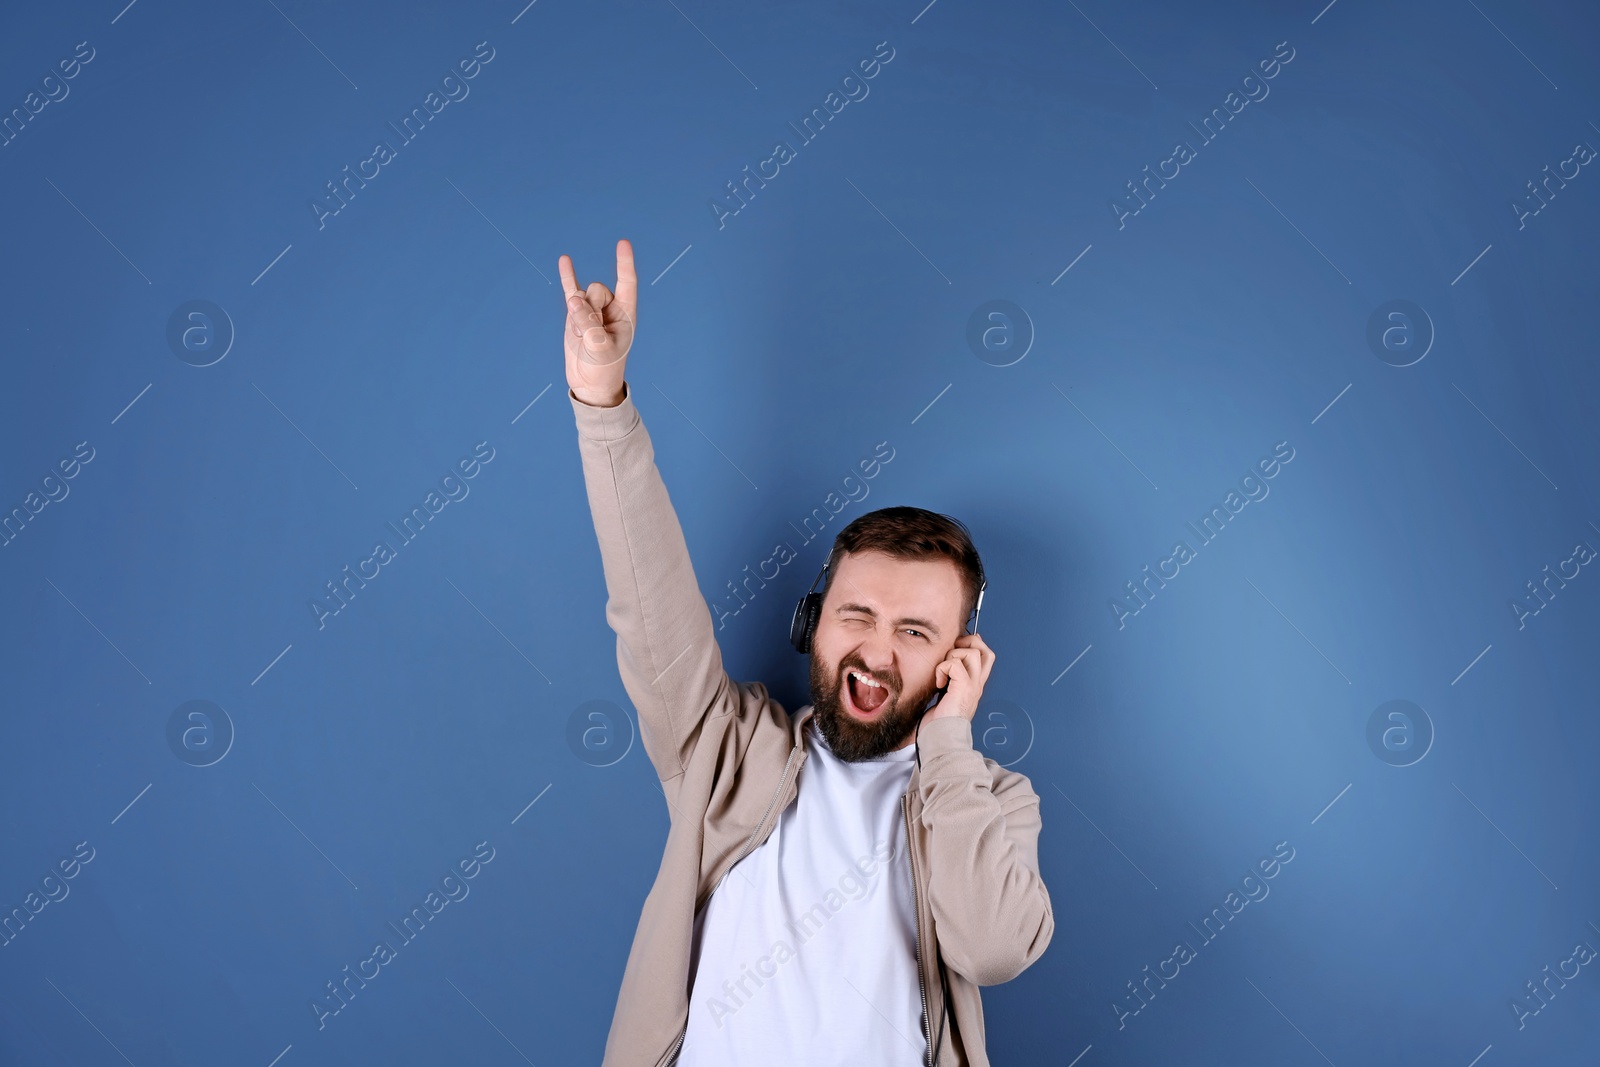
column 667, row 653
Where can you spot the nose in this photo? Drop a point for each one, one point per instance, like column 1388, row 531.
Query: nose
column 877, row 654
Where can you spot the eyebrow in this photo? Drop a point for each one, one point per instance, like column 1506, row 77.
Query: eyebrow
column 864, row 610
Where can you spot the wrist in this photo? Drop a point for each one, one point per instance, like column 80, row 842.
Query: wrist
column 939, row 736
column 599, row 398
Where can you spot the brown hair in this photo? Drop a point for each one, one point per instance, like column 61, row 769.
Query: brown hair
column 913, row 534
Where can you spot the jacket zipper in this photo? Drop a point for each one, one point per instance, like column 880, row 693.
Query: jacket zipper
column 672, row 1053
column 932, row 1057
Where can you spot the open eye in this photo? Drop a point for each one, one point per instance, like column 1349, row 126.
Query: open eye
column 919, row 633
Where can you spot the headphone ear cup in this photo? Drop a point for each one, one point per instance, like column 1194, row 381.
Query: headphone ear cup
column 804, row 623
column 796, row 631
column 813, row 614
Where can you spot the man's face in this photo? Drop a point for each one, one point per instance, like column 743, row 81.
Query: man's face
column 894, row 620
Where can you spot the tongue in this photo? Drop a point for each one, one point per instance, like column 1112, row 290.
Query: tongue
column 867, row 698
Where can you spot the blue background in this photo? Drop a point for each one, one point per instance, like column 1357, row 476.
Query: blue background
column 373, row 351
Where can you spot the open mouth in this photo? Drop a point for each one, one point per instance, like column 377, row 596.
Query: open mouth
column 862, row 698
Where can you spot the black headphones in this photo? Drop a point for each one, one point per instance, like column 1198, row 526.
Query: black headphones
column 801, row 628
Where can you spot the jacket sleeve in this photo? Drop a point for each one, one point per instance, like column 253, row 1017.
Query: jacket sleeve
column 667, row 653
column 990, row 906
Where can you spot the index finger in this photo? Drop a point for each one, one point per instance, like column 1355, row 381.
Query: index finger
column 569, row 278
column 627, row 280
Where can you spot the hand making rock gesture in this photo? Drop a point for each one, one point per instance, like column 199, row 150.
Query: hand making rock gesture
column 599, row 330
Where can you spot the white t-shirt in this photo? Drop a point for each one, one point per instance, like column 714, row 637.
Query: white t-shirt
column 806, row 953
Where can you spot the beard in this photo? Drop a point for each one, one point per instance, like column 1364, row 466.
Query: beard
column 850, row 739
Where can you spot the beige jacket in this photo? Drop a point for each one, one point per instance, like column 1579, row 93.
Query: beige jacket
column 729, row 757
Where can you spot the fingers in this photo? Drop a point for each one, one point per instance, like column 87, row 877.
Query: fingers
column 627, row 291
column 569, row 278
column 581, row 314
column 595, row 297
column 977, row 662
column 594, row 332
column 627, row 280
column 976, row 643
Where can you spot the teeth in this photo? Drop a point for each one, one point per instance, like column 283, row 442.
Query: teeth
column 858, row 676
